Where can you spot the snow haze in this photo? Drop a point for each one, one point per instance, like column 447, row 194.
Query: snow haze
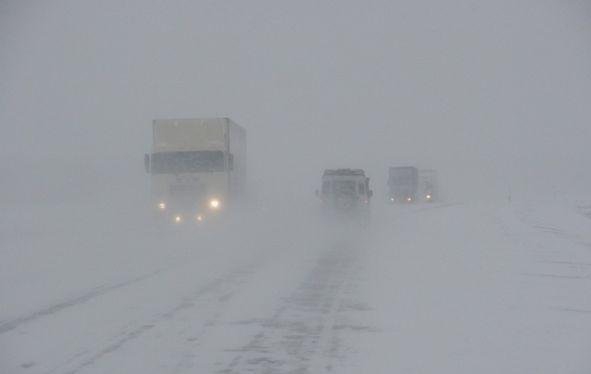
column 494, row 96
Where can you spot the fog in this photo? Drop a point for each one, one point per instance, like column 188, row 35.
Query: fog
column 493, row 95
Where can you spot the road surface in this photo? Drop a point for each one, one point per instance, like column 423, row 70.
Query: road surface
column 442, row 288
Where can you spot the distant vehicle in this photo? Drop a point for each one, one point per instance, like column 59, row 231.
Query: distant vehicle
column 345, row 190
column 428, row 185
column 403, row 183
column 197, row 167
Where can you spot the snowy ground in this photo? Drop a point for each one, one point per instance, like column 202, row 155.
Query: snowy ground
column 443, row 288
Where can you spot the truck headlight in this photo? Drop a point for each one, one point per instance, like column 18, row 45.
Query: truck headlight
column 162, row 205
column 214, row 204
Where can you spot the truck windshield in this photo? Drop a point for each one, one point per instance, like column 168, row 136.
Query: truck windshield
column 400, row 181
column 187, row 162
column 401, row 177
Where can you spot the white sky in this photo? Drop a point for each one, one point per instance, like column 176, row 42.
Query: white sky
column 496, row 95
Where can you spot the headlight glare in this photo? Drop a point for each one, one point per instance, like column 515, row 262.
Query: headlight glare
column 214, row 204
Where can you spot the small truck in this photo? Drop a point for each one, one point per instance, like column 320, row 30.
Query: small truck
column 403, row 184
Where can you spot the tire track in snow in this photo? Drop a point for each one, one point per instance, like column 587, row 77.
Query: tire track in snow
column 300, row 336
column 216, row 286
column 186, row 361
column 60, row 306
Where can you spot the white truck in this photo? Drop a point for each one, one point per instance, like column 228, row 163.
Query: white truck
column 428, row 185
column 197, row 167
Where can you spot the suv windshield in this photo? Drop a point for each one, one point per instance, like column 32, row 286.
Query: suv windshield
column 344, row 187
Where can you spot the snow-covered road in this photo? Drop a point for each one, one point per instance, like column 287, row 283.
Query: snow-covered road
column 443, row 288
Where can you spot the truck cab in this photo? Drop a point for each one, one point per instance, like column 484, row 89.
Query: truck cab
column 403, row 184
column 197, row 168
